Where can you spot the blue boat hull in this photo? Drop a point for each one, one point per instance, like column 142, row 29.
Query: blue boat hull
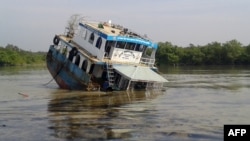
column 66, row 74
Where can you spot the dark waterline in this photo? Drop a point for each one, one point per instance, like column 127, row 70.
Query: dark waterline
column 196, row 104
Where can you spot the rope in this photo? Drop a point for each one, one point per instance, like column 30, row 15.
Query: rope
column 56, row 74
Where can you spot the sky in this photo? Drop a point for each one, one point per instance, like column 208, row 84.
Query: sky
column 32, row 24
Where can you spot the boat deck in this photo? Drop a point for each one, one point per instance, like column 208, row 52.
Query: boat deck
column 69, row 41
column 107, row 29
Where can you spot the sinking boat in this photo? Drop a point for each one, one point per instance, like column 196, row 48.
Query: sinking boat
column 103, row 56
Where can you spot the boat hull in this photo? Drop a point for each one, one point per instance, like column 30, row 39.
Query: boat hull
column 66, row 74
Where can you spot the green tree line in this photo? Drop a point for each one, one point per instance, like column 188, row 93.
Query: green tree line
column 11, row 55
column 215, row 53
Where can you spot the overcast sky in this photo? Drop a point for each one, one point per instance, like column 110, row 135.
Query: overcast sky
column 32, row 24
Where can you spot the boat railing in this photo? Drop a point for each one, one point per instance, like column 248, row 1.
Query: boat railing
column 144, row 61
column 107, row 60
column 147, row 61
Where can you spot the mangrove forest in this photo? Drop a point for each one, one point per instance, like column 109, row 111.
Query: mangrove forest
column 11, row 55
column 215, row 53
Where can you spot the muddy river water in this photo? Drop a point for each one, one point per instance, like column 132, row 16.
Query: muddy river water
column 194, row 105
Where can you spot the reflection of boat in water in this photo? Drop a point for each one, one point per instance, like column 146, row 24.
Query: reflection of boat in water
column 93, row 115
column 103, row 55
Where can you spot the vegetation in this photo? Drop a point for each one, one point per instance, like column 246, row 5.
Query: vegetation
column 229, row 53
column 215, row 53
column 12, row 56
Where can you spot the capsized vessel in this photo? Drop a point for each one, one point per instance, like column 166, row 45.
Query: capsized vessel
column 103, row 56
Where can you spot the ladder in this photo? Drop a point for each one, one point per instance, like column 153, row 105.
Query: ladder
column 110, row 74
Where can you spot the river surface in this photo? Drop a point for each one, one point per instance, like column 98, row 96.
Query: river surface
column 194, row 106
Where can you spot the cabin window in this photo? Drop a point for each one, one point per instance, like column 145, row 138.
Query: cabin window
column 130, row 46
column 148, row 51
column 91, row 68
column 121, row 45
column 99, row 43
column 140, row 48
column 108, row 45
column 77, row 60
column 84, row 65
column 91, row 38
column 137, row 47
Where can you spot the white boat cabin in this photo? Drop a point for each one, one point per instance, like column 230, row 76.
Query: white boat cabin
column 113, row 42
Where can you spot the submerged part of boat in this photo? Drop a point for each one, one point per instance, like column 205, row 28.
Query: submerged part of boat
column 103, row 56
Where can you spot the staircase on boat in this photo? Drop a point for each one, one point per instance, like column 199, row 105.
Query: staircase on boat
column 110, row 74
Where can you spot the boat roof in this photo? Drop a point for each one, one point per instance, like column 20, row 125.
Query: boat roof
column 139, row 73
column 114, row 32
